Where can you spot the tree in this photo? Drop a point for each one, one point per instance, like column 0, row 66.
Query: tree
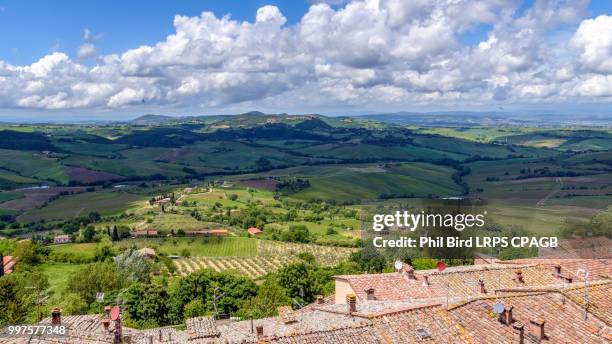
column 88, row 233
column 115, row 235
column 93, row 278
column 133, row 267
column 29, row 293
column 72, row 304
column 205, row 284
column 104, row 250
column 195, row 308
column 94, row 216
column 269, row 297
column 300, row 281
column 296, row 233
column 11, row 305
column 146, row 305
column 28, row 253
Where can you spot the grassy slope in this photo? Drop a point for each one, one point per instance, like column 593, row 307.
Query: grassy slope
column 105, row 202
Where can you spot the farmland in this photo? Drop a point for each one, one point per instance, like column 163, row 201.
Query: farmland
column 270, row 257
column 269, row 201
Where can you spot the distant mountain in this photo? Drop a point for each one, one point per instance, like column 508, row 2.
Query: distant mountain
column 151, row 119
column 254, row 113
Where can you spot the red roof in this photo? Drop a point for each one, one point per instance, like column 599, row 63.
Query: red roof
column 254, row 230
column 8, row 263
column 218, row 232
column 147, row 232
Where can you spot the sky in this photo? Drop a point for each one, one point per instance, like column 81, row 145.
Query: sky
column 100, row 59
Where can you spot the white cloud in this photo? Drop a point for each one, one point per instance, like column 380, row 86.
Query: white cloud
column 594, row 39
column 370, row 52
column 86, row 50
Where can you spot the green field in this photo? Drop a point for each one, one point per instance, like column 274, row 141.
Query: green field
column 369, row 181
column 59, row 274
column 211, row 247
column 8, row 195
column 105, row 202
column 32, row 164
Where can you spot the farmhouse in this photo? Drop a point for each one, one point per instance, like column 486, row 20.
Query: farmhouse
column 208, row 232
column 147, row 252
column 254, row 231
column 146, row 233
column 61, row 239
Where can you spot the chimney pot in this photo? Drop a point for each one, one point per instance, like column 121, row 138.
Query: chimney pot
column 320, row 299
column 519, row 328
column 506, row 317
column 56, row 316
column 259, row 330
column 481, row 286
column 351, row 300
column 410, row 272
column 557, row 269
column 519, row 276
column 538, row 328
column 426, row 280
column 370, row 294
column 105, row 323
column 107, row 310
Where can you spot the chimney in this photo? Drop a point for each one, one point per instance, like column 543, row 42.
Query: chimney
column 519, row 329
column 519, row 276
column 481, row 286
column 118, row 327
column 320, row 299
column 537, row 326
column 370, row 294
column 107, row 310
column 351, row 300
column 105, row 323
column 410, row 272
column 259, row 330
column 506, row 316
column 426, row 280
column 56, row 316
column 558, row 270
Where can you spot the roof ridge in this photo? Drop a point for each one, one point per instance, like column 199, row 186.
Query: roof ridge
column 361, row 324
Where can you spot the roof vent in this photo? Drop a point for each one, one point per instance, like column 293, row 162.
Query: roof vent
column 422, row 334
column 370, row 293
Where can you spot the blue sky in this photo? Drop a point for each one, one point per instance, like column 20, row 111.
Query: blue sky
column 32, row 29
column 371, row 60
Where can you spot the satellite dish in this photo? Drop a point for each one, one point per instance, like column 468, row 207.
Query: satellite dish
column 582, row 273
column 398, row 265
column 498, row 308
column 115, row 313
column 440, row 266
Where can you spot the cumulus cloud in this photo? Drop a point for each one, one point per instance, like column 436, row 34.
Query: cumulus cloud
column 594, row 40
column 362, row 52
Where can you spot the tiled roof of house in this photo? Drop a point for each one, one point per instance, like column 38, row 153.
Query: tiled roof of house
column 598, row 298
column 424, row 324
column 461, row 282
column 359, row 334
column 563, row 320
column 597, row 268
column 201, row 327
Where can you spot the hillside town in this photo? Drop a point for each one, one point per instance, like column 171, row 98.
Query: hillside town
column 535, row 300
